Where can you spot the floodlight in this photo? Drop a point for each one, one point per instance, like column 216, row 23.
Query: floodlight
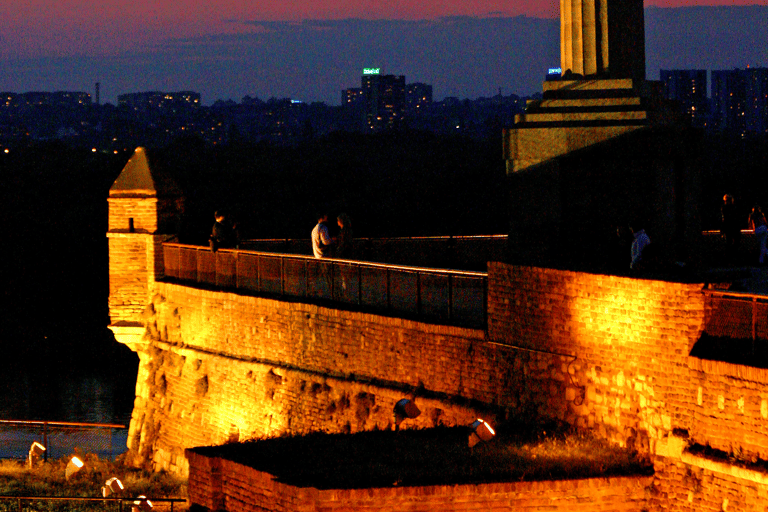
column 73, row 466
column 405, row 409
column 142, row 504
column 481, row 431
column 35, row 451
column 112, row 486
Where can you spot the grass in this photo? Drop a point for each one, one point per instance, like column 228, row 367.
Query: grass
column 438, row 456
column 48, row 479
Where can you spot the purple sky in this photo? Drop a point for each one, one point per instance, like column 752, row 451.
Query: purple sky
column 310, row 49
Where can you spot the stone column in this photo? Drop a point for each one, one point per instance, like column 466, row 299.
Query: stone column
column 603, row 38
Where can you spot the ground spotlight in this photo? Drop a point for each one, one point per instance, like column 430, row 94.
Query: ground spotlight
column 481, row 431
column 112, row 486
column 74, row 465
column 405, row 409
column 35, row 452
column 142, row 504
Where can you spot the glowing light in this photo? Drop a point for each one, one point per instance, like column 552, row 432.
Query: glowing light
column 142, row 504
column 112, row 486
column 74, row 465
column 481, row 431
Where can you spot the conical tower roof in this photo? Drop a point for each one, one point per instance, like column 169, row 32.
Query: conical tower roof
column 142, row 176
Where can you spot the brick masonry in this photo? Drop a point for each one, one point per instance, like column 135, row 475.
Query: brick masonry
column 218, row 484
column 603, row 353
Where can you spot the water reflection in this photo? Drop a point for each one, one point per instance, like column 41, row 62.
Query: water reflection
column 66, row 393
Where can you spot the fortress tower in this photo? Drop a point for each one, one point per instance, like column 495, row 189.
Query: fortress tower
column 145, row 208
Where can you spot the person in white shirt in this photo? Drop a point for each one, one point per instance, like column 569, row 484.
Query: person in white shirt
column 321, row 238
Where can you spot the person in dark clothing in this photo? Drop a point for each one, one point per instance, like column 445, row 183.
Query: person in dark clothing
column 344, row 238
column 730, row 228
column 224, row 233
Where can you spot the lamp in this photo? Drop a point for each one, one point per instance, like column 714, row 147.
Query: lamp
column 35, row 451
column 112, row 486
column 142, row 504
column 73, row 466
column 405, row 409
column 481, row 431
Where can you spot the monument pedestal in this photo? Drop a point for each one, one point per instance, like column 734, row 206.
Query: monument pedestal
column 593, row 156
column 576, row 114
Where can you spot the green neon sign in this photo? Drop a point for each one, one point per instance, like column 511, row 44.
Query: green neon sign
column 371, row 71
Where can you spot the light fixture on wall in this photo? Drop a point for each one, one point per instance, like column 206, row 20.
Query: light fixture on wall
column 35, row 452
column 405, row 409
column 112, row 486
column 481, row 431
column 73, row 466
column 142, row 504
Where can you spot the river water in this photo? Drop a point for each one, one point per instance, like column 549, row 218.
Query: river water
column 72, row 388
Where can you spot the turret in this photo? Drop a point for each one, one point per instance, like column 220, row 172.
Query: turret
column 145, row 208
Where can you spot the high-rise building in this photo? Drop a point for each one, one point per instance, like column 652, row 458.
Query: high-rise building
column 352, row 97
column 757, row 100
column 688, row 87
column 740, row 99
column 384, row 99
column 418, row 97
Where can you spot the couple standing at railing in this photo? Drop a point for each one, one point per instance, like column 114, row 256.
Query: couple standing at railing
column 325, row 246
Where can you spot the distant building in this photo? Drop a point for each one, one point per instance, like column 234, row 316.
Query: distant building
column 418, row 97
column 352, row 97
column 383, row 100
column 155, row 100
column 740, row 100
column 688, row 87
column 59, row 99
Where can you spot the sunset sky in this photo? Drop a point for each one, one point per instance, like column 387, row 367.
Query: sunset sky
column 228, row 48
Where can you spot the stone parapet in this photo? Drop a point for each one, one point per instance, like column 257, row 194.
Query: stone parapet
column 219, row 484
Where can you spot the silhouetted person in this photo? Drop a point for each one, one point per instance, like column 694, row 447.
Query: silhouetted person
column 639, row 245
column 758, row 224
column 224, row 233
column 730, row 227
column 344, row 238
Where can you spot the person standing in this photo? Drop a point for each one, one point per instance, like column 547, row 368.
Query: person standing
column 759, row 226
column 729, row 227
column 322, row 243
column 642, row 240
column 344, row 238
column 224, row 233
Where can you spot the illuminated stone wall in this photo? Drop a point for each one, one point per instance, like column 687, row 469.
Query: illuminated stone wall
column 604, row 353
column 218, row 484
column 632, row 339
column 219, row 367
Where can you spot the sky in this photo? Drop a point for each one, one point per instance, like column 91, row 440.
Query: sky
column 311, row 49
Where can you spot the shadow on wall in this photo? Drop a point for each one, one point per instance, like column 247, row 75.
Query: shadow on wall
column 565, row 212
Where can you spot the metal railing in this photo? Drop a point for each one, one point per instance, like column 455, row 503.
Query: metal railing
column 450, row 296
column 57, row 437
column 120, row 501
column 737, row 315
column 466, row 252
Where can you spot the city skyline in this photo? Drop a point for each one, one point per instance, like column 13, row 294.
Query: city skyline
column 314, row 53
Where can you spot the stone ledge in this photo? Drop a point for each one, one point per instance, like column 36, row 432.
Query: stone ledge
column 725, row 468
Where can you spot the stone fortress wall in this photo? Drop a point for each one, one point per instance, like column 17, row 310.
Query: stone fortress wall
column 604, row 353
